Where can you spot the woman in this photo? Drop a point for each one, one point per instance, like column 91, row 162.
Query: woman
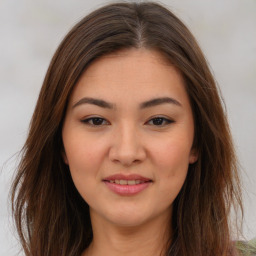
column 129, row 150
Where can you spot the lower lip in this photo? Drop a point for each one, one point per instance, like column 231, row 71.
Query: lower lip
column 127, row 190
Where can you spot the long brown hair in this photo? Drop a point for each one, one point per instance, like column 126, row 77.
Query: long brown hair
column 51, row 216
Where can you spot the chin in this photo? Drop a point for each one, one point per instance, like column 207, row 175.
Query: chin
column 129, row 221
column 131, row 217
column 121, row 216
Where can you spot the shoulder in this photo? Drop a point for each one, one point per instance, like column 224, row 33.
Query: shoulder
column 246, row 248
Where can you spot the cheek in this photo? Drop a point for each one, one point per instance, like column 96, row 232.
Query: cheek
column 84, row 160
column 172, row 155
column 83, row 152
column 171, row 163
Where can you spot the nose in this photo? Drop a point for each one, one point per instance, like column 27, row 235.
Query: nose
column 127, row 147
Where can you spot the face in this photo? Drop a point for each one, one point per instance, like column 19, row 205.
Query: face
column 128, row 135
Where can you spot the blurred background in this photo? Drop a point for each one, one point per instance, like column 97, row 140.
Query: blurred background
column 30, row 31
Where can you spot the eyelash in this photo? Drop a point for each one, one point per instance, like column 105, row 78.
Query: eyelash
column 87, row 121
column 90, row 121
column 165, row 120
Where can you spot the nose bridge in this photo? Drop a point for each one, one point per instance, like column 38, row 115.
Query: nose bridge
column 127, row 146
column 127, row 138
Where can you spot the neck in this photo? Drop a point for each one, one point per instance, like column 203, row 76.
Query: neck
column 148, row 239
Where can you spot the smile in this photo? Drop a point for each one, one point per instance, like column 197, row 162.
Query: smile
column 127, row 182
column 127, row 185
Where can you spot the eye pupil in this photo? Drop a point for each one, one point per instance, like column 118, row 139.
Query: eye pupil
column 97, row 121
column 157, row 121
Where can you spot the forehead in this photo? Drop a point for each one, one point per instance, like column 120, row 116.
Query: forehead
column 128, row 60
column 133, row 74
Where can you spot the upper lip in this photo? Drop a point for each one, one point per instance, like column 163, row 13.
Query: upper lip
column 126, row 177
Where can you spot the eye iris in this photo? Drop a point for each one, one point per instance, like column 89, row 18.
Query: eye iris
column 97, row 121
column 158, row 121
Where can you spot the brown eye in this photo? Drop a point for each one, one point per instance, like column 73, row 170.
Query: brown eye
column 160, row 121
column 95, row 121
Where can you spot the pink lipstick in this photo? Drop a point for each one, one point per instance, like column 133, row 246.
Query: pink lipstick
column 127, row 185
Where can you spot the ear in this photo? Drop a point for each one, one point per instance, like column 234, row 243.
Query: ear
column 64, row 156
column 193, row 157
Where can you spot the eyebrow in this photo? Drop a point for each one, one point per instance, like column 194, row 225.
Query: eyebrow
column 93, row 101
column 143, row 105
column 159, row 101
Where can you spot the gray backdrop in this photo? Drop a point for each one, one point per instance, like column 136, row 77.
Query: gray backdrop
column 30, row 31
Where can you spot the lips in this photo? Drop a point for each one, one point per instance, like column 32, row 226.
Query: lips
column 126, row 179
column 127, row 184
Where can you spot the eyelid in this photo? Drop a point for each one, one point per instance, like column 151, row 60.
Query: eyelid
column 167, row 120
column 88, row 119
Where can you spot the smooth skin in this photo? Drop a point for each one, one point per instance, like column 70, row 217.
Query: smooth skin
column 126, row 134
